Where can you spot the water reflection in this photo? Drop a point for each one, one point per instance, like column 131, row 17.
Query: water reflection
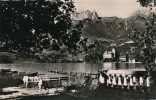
column 69, row 67
column 127, row 66
column 107, row 66
column 117, row 66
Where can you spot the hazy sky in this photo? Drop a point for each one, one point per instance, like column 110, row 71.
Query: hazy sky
column 119, row 8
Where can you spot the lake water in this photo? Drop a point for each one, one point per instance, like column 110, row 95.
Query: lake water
column 69, row 67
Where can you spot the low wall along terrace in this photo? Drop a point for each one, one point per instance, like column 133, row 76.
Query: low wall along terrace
column 137, row 80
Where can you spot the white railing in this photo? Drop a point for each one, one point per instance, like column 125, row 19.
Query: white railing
column 131, row 79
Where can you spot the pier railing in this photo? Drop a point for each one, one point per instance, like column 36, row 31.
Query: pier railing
column 137, row 80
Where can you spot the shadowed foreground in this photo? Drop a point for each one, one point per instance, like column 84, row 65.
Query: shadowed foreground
column 101, row 93
column 110, row 93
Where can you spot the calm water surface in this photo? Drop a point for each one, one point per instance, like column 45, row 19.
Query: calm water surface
column 69, row 67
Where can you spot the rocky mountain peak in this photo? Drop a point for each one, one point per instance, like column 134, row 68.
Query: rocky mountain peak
column 113, row 28
column 141, row 13
column 94, row 16
column 84, row 15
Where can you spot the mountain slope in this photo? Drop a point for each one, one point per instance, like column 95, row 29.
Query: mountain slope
column 94, row 29
column 111, row 27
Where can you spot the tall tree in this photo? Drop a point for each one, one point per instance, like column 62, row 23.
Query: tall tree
column 147, row 3
column 38, row 24
column 147, row 39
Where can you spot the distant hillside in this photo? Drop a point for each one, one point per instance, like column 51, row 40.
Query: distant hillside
column 113, row 28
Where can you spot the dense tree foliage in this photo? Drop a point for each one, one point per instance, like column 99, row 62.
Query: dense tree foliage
column 147, row 3
column 147, row 42
column 28, row 26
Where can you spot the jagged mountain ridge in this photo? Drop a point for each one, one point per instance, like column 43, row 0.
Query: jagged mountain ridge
column 84, row 15
column 112, row 27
